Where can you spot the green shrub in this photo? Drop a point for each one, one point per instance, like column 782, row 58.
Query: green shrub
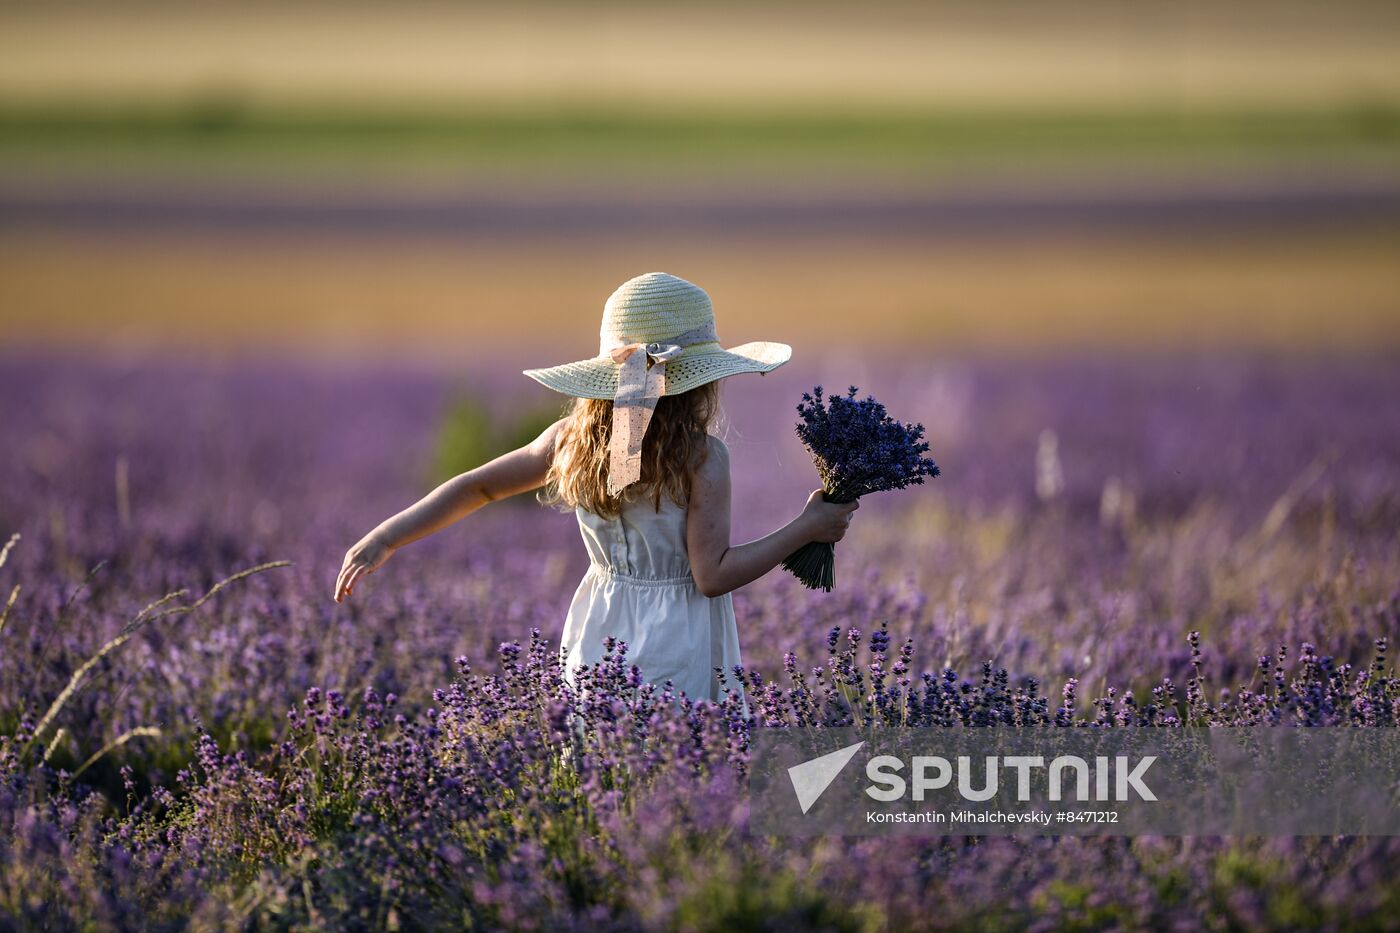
column 470, row 436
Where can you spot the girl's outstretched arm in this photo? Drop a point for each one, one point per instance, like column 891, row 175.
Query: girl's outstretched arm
column 719, row 568
column 518, row 471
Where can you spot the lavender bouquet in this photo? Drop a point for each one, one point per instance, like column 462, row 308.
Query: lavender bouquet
column 858, row 449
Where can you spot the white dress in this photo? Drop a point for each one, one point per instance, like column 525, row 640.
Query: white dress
column 638, row 589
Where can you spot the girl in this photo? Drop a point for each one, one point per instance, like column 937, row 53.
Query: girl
column 649, row 484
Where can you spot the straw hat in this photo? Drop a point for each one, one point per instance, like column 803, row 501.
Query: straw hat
column 658, row 338
column 657, row 308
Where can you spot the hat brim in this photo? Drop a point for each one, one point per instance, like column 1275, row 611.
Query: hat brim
column 597, row 378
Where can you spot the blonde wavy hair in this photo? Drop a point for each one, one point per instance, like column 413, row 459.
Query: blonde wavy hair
column 674, row 447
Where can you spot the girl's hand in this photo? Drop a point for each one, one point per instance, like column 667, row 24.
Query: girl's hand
column 827, row 522
column 361, row 560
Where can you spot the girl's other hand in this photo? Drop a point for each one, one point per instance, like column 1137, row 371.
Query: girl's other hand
column 827, row 521
column 361, row 560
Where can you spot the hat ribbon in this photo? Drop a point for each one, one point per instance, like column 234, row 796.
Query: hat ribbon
column 639, row 387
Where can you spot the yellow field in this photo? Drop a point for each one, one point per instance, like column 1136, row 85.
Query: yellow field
column 1339, row 291
column 730, row 55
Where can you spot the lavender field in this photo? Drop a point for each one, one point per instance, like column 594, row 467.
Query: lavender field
column 399, row 762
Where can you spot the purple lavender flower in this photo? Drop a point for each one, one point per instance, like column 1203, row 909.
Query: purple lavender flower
column 858, row 449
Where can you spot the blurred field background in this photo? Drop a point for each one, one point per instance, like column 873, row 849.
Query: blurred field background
column 454, row 181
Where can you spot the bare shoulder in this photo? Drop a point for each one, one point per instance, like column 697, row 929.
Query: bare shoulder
column 549, row 438
column 714, row 467
column 716, row 453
